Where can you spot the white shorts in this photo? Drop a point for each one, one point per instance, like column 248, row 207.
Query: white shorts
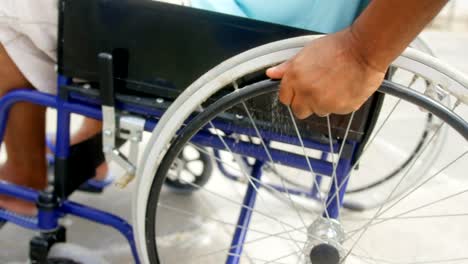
column 28, row 32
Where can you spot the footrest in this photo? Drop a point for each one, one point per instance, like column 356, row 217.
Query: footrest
column 84, row 158
column 96, row 186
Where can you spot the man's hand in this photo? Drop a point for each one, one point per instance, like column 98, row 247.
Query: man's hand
column 330, row 75
column 337, row 73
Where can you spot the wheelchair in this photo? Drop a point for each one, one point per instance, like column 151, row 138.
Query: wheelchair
column 228, row 174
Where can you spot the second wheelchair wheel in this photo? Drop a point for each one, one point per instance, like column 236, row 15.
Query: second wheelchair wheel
column 193, row 167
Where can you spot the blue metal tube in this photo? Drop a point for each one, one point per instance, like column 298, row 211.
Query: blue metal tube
column 220, row 124
column 245, row 216
column 23, row 221
column 335, row 203
column 101, row 217
column 88, row 111
column 27, row 95
column 47, row 219
column 22, row 193
column 94, row 111
column 17, row 191
column 35, row 97
column 258, row 152
column 318, row 179
column 267, row 135
column 67, row 207
column 62, row 139
column 279, row 188
column 316, row 186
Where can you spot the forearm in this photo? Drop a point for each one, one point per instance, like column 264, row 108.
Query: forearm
column 386, row 28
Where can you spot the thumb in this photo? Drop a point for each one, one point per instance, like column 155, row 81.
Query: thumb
column 278, row 71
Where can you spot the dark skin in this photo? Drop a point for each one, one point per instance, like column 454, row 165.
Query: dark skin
column 339, row 72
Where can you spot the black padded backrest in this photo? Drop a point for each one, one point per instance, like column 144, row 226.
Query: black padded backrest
column 159, row 49
column 164, row 45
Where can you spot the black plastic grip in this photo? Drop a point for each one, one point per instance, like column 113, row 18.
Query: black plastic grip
column 106, row 78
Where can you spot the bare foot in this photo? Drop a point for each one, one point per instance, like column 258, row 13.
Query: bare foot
column 20, row 177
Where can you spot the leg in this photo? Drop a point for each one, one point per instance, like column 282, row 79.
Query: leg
column 24, row 139
column 89, row 128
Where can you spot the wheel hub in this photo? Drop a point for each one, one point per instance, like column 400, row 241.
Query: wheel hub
column 324, row 254
column 324, row 242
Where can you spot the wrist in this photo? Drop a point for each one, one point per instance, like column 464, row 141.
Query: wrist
column 366, row 51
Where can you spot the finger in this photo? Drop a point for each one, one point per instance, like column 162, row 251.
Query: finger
column 277, row 72
column 300, row 109
column 324, row 109
column 321, row 113
column 286, row 93
column 349, row 108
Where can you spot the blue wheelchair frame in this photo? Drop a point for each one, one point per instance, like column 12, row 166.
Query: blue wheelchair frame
column 47, row 218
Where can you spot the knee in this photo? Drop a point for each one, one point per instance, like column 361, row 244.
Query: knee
column 10, row 76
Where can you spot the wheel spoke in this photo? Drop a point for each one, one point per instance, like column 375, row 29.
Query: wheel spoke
column 282, row 257
column 408, row 211
column 424, row 182
column 213, row 209
column 262, row 141
column 335, row 164
column 448, row 165
column 269, row 216
column 259, row 239
column 405, row 218
column 368, row 224
column 263, row 185
column 309, row 165
column 245, row 174
column 218, row 220
column 371, row 140
column 334, row 180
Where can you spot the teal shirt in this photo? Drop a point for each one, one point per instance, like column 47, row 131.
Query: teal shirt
column 324, row 16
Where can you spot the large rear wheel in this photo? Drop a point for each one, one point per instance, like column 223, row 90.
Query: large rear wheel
column 209, row 222
column 406, row 219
